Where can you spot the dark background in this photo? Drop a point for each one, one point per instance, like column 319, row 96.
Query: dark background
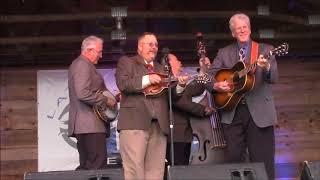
column 48, row 33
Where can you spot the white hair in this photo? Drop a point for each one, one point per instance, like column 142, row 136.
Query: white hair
column 239, row 16
column 90, row 42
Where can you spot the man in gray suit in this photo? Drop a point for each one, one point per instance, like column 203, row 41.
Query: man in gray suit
column 84, row 83
column 248, row 126
column 143, row 120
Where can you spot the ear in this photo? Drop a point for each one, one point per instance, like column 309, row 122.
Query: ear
column 233, row 34
column 139, row 47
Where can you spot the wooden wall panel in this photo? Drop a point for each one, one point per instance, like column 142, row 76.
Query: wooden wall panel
column 298, row 107
column 18, row 114
column 18, row 131
column 14, row 138
column 19, row 84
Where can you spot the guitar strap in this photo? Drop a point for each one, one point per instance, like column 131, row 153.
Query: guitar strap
column 254, row 53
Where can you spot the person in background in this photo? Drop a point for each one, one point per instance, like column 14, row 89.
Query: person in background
column 84, row 83
column 183, row 109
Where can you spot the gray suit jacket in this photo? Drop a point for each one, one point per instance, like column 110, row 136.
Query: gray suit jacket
column 83, row 83
column 137, row 111
column 259, row 100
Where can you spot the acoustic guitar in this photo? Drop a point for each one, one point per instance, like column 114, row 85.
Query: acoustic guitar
column 240, row 80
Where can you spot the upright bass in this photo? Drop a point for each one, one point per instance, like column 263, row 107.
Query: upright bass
column 208, row 131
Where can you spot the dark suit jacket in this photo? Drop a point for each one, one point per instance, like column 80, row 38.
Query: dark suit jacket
column 83, row 83
column 260, row 100
column 135, row 108
column 183, row 109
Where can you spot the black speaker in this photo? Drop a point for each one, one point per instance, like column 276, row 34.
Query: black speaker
column 105, row 174
column 241, row 171
column 310, row 170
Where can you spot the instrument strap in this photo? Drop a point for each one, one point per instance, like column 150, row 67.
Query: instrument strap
column 254, row 53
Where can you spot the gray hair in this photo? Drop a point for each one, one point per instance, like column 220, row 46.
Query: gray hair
column 239, row 16
column 90, row 42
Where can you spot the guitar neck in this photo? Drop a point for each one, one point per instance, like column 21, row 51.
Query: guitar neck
column 246, row 70
column 252, row 66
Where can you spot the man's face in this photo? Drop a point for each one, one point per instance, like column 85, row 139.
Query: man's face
column 175, row 64
column 241, row 31
column 148, row 47
column 96, row 53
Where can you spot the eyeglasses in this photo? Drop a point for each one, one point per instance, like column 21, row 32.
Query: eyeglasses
column 151, row 44
column 98, row 52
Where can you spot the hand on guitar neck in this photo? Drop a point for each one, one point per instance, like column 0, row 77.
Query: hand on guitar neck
column 263, row 63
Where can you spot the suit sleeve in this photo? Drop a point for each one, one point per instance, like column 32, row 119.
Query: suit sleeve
column 185, row 103
column 216, row 65
column 126, row 79
column 83, row 85
column 271, row 76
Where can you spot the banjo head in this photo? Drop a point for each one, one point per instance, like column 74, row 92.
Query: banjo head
column 107, row 115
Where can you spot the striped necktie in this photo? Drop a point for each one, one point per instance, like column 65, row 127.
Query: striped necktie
column 150, row 68
column 242, row 54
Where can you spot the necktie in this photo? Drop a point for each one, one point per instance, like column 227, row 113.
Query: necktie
column 149, row 68
column 242, row 54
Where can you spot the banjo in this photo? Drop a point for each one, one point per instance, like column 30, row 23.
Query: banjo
column 107, row 114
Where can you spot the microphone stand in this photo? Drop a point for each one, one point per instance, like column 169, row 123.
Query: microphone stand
column 171, row 119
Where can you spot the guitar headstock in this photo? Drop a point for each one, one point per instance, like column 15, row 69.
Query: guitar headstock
column 280, row 50
column 203, row 78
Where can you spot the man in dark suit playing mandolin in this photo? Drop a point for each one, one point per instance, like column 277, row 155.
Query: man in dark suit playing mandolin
column 143, row 118
column 249, row 115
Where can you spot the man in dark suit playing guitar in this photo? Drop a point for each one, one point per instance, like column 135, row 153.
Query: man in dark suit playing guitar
column 248, row 125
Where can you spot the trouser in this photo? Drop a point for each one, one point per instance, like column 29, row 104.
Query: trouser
column 92, row 151
column 143, row 153
column 244, row 135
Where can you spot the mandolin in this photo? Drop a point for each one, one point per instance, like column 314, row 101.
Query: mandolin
column 157, row 89
column 240, row 80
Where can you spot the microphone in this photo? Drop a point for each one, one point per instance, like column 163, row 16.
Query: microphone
column 165, row 51
column 164, row 60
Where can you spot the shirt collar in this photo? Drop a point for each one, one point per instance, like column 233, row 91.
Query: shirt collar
column 149, row 62
column 244, row 45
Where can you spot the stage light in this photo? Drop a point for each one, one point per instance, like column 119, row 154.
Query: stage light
column 118, row 13
column 263, row 10
column 314, row 19
column 266, row 33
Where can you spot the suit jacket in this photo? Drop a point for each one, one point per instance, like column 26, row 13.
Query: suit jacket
column 183, row 109
column 260, row 99
column 83, row 83
column 136, row 110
